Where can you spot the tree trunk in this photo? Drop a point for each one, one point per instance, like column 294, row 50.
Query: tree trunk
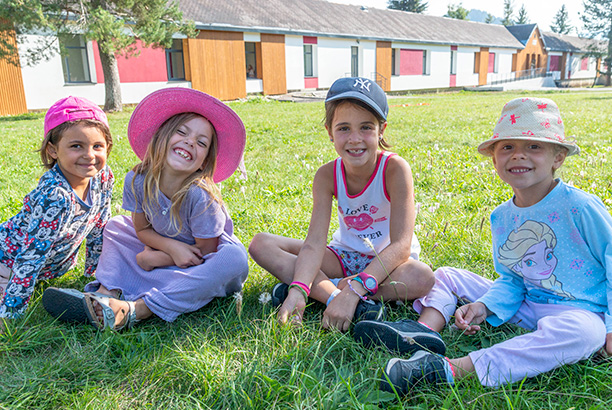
column 112, row 84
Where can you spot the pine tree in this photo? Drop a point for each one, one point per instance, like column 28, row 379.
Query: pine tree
column 508, row 11
column 561, row 23
column 114, row 24
column 414, row 6
column 456, row 11
column 490, row 18
column 522, row 16
column 597, row 20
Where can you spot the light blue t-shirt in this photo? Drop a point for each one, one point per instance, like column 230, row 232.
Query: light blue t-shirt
column 556, row 251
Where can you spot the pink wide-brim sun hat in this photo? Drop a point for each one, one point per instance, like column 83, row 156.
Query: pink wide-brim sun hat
column 160, row 105
column 530, row 119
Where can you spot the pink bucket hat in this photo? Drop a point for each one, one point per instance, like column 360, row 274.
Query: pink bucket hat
column 536, row 119
column 73, row 109
column 162, row 104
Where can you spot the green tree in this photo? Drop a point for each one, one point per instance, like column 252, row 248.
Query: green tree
column 597, row 20
column 508, row 12
column 490, row 18
column 414, row 6
column 561, row 23
column 114, row 24
column 522, row 16
column 456, row 11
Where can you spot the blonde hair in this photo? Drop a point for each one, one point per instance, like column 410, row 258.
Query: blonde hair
column 54, row 136
column 332, row 106
column 518, row 243
column 152, row 167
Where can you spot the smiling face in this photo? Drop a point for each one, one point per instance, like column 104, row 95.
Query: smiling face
column 528, row 167
column 355, row 133
column 80, row 153
column 538, row 263
column 188, row 147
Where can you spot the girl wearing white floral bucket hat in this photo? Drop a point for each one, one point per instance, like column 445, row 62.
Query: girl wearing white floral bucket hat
column 552, row 247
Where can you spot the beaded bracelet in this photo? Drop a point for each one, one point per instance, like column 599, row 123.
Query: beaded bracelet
column 302, row 285
column 364, row 298
column 293, row 285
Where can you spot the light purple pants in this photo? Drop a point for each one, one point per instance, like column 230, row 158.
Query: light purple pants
column 560, row 334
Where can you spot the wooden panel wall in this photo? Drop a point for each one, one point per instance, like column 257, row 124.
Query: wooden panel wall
column 483, row 65
column 215, row 64
column 12, row 94
column 383, row 64
column 535, row 51
column 273, row 69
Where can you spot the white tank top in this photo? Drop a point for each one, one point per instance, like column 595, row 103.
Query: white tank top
column 365, row 215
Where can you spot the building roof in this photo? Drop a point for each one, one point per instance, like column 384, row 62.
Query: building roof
column 522, row 32
column 324, row 19
column 561, row 42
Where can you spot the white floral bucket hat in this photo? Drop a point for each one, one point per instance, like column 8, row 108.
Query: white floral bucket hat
column 536, row 119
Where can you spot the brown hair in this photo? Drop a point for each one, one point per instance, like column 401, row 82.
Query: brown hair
column 153, row 163
column 332, row 106
column 54, row 136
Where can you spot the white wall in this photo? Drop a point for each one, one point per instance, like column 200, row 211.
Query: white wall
column 44, row 83
column 465, row 66
column 439, row 68
column 294, row 62
column 334, row 59
column 503, row 63
column 575, row 63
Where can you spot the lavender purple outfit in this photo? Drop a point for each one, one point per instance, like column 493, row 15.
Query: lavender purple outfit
column 171, row 291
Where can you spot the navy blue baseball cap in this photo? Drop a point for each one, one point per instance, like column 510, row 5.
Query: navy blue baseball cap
column 362, row 89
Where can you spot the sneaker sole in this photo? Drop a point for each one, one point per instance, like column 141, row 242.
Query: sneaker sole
column 378, row 333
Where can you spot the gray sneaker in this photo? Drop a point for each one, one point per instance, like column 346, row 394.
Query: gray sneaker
column 422, row 368
column 403, row 336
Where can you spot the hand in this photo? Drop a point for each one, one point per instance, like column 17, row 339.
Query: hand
column 341, row 310
column 467, row 317
column 293, row 307
column 185, row 255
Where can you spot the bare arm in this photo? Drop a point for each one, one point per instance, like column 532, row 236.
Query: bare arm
column 311, row 254
column 182, row 254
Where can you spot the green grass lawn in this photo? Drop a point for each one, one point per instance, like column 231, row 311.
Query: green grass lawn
column 233, row 355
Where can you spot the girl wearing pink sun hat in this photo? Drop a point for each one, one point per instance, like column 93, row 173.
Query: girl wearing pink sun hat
column 178, row 250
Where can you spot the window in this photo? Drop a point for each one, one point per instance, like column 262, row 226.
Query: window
column 425, row 62
column 584, row 64
column 413, row 62
column 555, row 63
column 492, row 63
column 395, row 66
column 75, row 62
column 453, row 62
column 354, row 61
column 250, row 54
column 174, row 61
column 308, row 61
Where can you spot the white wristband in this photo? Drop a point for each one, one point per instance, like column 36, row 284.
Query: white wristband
column 332, row 296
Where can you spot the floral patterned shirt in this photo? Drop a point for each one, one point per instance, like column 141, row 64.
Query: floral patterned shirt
column 43, row 239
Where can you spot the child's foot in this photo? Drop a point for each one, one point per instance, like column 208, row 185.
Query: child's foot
column 423, row 367
column 404, row 336
column 121, row 310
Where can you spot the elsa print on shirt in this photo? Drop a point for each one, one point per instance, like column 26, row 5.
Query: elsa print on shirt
column 529, row 252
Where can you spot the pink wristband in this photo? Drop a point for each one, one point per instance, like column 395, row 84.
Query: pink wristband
column 303, row 286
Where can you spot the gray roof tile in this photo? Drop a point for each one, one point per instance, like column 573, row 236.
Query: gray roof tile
column 322, row 18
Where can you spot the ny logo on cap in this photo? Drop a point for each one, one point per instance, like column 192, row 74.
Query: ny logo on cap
column 363, row 83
